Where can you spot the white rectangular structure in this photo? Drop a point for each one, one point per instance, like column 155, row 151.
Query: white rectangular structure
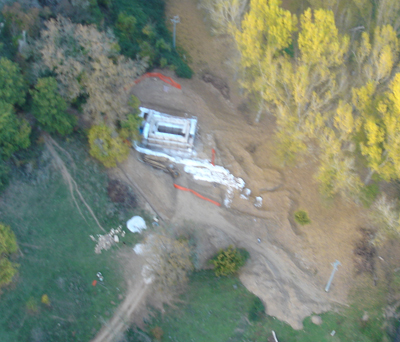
column 166, row 132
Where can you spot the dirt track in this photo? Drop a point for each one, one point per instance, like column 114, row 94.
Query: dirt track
column 122, row 317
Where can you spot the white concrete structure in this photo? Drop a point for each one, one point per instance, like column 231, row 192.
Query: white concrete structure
column 167, row 133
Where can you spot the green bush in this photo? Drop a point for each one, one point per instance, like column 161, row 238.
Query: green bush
column 229, row 261
column 257, row 310
column 301, row 217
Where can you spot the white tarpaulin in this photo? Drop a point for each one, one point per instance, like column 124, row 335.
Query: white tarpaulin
column 136, row 224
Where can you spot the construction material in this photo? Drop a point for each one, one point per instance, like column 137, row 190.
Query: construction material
column 161, row 163
column 335, row 266
column 196, row 194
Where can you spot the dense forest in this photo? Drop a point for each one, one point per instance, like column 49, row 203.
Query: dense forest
column 68, row 66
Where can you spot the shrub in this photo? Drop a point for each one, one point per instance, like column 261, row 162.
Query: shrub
column 229, row 261
column 107, row 146
column 8, row 242
column 158, row 333
column 32, row 306
column 257, row 310
column 301, row 217
column 46, row 300
column 8, row 270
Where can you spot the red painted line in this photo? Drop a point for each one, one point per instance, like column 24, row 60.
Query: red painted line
column 197, row 194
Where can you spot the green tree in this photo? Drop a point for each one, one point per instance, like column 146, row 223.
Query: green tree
column 229, row 261
column 12, row 84
column 14, row 132
column 126, row 24
column 49, row 107
column 106, row 145
column 8, row 246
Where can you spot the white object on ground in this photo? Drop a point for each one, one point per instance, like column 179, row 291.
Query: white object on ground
column 274, row 335
column 136, row 224
column 116, row 238
column 258, row 202
column 246, row 193
column 205, row 171
column 138, row 249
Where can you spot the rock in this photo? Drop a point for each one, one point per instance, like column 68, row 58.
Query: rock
column 365, row 317
column 116, row 238
column 316, row 320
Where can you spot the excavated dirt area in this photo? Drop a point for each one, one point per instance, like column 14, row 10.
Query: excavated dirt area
column 289, row 268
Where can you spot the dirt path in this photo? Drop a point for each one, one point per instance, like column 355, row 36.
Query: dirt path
column 122, row 318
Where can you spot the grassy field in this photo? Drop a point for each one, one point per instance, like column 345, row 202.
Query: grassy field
column 56, row 254
column 217, row 310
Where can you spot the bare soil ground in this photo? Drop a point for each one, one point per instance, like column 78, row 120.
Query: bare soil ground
column 289, row 269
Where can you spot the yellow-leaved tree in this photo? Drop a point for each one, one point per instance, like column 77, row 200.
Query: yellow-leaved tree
column 377, row 56
column 267, row 30
column 336, row 172
column 382, row 134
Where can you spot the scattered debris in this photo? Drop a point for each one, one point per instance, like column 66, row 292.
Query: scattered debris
column 246, row 193
column 106, row 241
column 100, row 276
column 258, row 202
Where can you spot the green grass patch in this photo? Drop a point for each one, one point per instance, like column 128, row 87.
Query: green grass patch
column 301, row 217
column 216, row 309
column 369, row 194
column 56, row 254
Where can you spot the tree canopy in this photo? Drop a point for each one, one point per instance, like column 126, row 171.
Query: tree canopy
column 49, row 107
column 14, row 132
